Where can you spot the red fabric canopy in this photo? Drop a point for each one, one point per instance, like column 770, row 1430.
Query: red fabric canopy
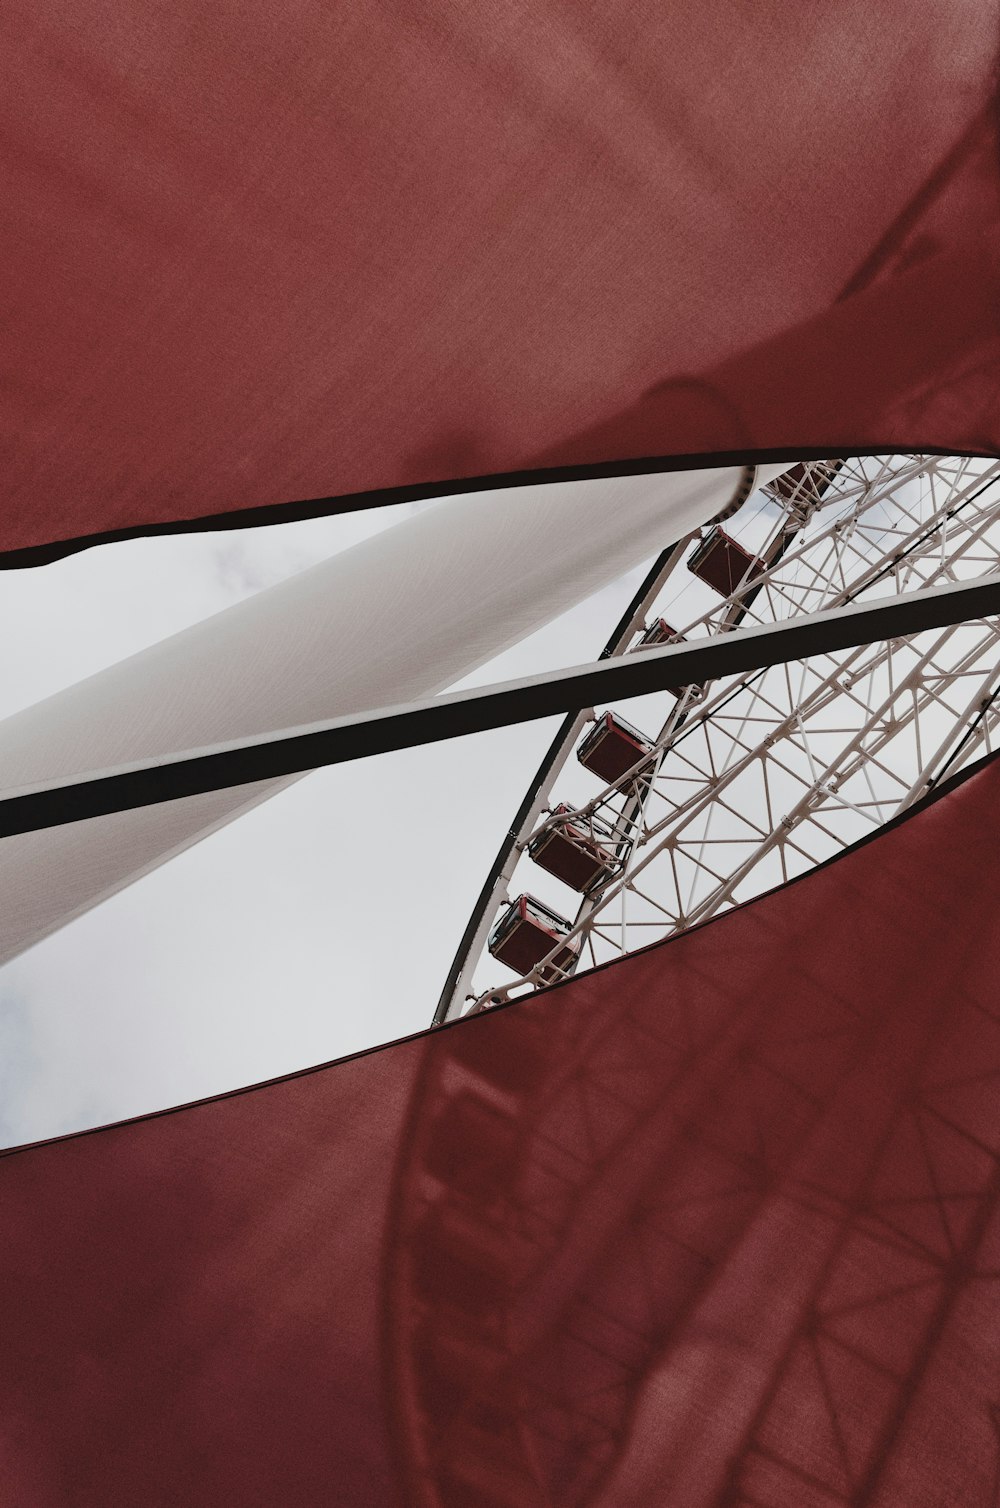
column 261, row 261
column 717, row 1225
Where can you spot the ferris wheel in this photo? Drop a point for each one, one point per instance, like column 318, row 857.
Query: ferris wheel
column 649, row 817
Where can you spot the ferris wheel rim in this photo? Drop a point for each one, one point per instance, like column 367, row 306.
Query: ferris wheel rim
column 560, row 751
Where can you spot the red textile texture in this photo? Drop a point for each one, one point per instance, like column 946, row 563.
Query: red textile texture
column 718, row 1225
column 292, row 257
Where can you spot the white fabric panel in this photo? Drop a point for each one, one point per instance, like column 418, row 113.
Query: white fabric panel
column 400, row 616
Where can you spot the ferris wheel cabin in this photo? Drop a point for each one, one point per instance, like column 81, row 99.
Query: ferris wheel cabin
column 721, row 563
column 577, row 850
column 612, row 747
column 527, row 933
column 654, row 636
column 658, row 633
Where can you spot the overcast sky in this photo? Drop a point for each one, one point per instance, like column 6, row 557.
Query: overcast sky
column 317, row 924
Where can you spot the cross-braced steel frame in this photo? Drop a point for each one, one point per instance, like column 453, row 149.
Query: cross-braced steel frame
column 753, row 779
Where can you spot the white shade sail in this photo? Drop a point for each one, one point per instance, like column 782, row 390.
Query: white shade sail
column 403, row 614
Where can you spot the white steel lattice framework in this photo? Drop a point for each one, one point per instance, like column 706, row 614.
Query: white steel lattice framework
column 756, row 778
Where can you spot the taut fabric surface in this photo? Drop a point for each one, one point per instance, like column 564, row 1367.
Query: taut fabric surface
column 256, row 257
column 719, row 1225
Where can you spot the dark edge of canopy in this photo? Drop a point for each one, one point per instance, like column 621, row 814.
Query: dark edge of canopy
column 945, row 788
column 267, row 514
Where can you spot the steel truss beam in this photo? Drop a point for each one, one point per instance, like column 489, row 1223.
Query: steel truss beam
column 336, row 740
